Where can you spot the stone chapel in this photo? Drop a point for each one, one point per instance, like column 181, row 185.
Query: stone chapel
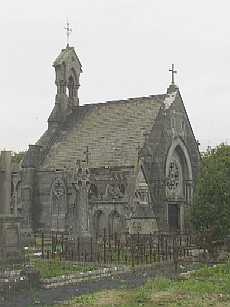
column 126, row 166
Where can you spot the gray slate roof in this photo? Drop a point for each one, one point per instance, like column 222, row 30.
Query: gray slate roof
column 112, row 131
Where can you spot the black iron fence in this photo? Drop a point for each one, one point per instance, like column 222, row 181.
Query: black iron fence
column 115, row 249
column 102, row 251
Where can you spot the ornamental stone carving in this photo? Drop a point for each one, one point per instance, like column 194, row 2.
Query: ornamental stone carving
column 58, row 189
column 58, row 205
column 116, row 188
column 81, row 184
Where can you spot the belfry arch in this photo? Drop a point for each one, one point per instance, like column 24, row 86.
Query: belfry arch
column 68, row 69
column 72, row 84
column 70, row 87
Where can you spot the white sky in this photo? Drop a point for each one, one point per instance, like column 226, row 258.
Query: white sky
column 126, row 48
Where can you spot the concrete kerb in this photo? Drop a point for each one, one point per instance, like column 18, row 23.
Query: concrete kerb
column 106, row 272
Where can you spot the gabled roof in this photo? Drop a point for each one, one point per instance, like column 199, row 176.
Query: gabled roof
column 66, row 55
column 112, row 131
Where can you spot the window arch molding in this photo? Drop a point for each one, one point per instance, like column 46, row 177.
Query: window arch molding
column 179, row 146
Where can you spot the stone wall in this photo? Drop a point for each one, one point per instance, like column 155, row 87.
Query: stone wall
column 113, row 187
column 172, row 124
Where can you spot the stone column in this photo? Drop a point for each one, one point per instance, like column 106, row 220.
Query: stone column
column 181, row 217
column 28, row 174
column 10, row 243
column 5, row 182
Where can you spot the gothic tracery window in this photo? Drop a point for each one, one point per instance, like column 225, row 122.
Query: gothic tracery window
column 173, row 179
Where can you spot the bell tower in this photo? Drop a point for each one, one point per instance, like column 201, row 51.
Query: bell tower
column 67, row 72
column 67, row 69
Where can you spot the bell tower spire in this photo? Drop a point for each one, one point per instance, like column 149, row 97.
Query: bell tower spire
column 67, row 70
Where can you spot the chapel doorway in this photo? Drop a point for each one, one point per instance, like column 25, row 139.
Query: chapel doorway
column 173, row 217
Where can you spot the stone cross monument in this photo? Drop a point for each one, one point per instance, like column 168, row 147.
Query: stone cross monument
column 10, row 243
column 81, row 184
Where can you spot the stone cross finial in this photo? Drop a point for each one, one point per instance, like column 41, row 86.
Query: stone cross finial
column 68, row 31
column 173, row 73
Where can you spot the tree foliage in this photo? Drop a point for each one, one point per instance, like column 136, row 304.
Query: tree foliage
column 211, row 206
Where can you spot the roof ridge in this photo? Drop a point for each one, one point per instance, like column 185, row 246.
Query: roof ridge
column 126, row 100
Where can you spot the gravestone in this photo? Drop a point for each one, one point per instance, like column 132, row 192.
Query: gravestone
column 10, row 243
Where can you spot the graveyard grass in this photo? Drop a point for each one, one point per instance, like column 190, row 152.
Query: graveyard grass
column 206, row 287
column 55, row 268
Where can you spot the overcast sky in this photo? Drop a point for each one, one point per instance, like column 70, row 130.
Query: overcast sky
column 126, row 48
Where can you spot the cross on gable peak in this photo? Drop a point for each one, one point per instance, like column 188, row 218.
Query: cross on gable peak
column 173, row 71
